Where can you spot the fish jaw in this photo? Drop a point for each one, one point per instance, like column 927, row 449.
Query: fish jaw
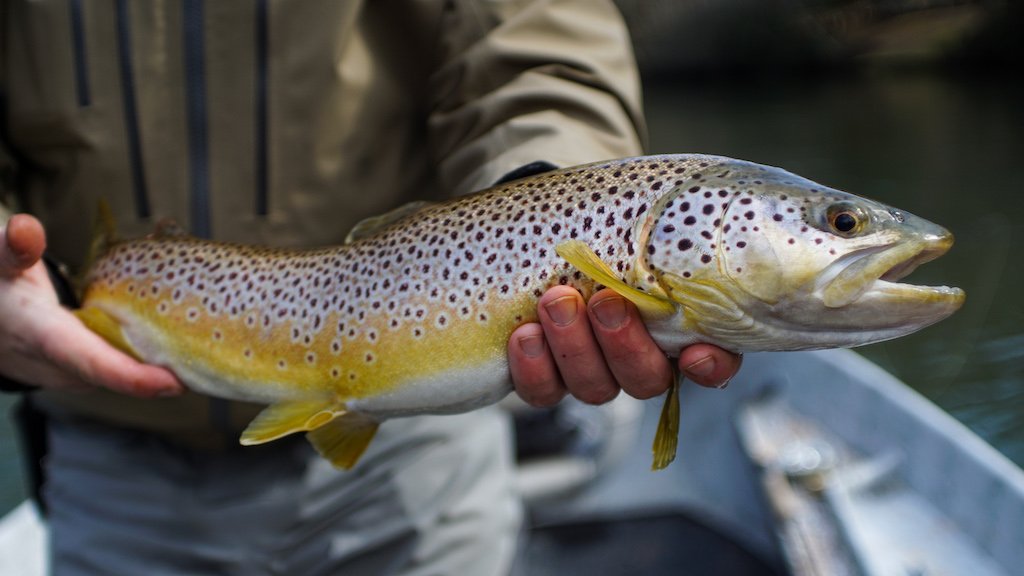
column 866, row 291
column 858, row 300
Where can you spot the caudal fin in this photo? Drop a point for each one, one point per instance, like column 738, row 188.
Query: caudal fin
column 104, row 235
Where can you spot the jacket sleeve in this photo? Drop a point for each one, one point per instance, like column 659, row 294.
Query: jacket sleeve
column 7, row 166
column 521, row 81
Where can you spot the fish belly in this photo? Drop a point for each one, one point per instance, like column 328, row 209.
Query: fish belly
column 452, row 391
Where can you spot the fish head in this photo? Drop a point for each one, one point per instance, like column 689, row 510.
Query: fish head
column 762, row 259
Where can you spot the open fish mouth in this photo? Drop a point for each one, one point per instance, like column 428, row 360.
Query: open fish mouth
column 874, row 274
column 905, row 268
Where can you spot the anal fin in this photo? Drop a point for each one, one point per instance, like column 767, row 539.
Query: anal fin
column 285, row 418
column 343, row 440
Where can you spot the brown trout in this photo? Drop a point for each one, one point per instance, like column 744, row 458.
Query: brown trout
column 412, row 314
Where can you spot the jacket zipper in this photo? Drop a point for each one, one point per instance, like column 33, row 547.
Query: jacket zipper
column 131, row 117
column 261, row 142
column 195, row 95
column 199, row 158
column 82, row 94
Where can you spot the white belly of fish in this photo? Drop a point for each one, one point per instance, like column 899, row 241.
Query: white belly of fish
column 448, row 392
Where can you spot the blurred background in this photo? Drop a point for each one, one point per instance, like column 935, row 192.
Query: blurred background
column 916, row 103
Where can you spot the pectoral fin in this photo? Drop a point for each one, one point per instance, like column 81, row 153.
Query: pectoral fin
column 285, row 418
column 343, row 440
column 107, row 327
column 583, row 257
column 666, row 439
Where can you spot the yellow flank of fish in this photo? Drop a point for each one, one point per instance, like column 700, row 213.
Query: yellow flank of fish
column 324, row 356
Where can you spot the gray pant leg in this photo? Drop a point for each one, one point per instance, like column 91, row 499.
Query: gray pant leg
column 433, row 495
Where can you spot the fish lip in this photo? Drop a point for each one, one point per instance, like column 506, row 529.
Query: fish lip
column 932, row 249
column 888, row 285
column 872, row 271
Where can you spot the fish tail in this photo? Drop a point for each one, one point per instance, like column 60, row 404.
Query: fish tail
column 104, row 235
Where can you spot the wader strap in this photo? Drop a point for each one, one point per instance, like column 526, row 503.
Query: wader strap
column 31, row 426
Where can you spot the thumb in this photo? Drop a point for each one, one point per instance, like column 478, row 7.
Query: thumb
column 22, row 244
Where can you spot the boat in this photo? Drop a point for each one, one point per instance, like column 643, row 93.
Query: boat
column 809, row 463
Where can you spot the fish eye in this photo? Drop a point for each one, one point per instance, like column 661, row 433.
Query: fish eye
column 845, row 220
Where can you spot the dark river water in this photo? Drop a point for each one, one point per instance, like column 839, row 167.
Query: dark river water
column 943, row 148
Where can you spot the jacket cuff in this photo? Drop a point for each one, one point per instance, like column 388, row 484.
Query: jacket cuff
column 10, row 386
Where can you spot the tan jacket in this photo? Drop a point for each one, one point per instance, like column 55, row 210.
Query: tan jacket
column 287, row 122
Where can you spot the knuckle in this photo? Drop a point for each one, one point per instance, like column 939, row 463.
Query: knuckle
column 545, row 399
column 648, row 381
column 646, row 389
column 597, row 395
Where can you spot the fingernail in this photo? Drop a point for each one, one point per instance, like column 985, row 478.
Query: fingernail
column 562, row 310
column 703, row 367
column 723, row 385
column 611, row 312
column 533, row 346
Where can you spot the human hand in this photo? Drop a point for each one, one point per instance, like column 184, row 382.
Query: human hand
column 42, row 343
column 593, row 350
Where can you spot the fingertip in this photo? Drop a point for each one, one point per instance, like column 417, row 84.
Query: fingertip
column 534, row 373
column 161, row 382
column 148, row 382
column 611, row 311
column 556, row 292
column 709, row 366
column 26, row 240
column 527, row 341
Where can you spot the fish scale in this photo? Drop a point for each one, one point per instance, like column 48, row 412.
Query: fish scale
column 413, row 315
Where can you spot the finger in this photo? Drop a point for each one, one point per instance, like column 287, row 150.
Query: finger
column 579, row 358
column 83, row 353
column 637, row 363
column 23, row 244
column 709, row 366
column 534, row 372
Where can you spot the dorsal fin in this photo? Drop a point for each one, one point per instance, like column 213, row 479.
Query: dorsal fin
column 374, row 224
column 168, row 227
